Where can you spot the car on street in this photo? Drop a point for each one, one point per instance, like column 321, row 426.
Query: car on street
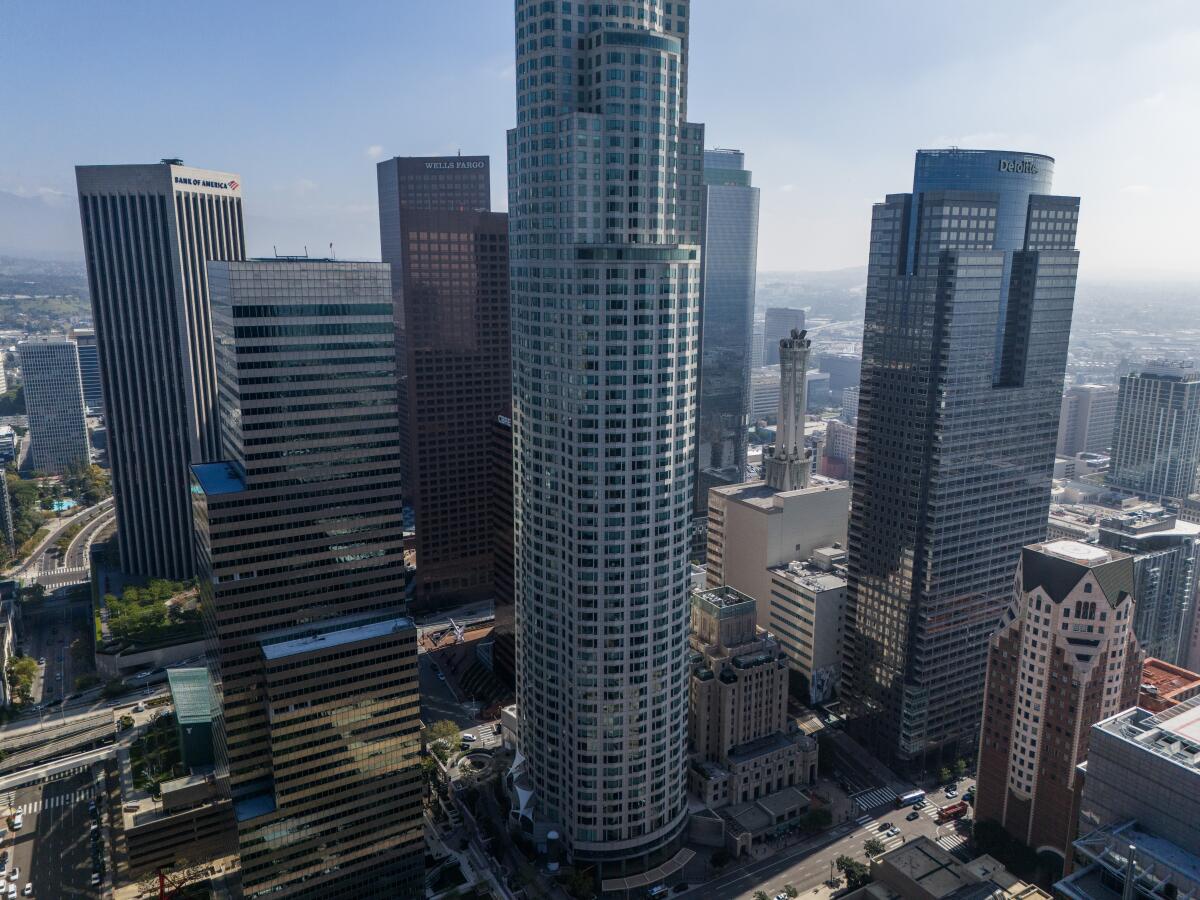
column 469, row 738
column 18, row 821
column 913, row 816
column 41, row 660
column 28, row 892
column 951, row 793
column 145, row 674
column 884, row 826
column 12, row 892
column 892, row 832
column 920, row 804
column 15, row 873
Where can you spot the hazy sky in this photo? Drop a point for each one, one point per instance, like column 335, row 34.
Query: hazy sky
column 828, row 100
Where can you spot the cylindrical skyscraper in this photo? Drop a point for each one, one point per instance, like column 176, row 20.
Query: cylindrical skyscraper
column 604, row 191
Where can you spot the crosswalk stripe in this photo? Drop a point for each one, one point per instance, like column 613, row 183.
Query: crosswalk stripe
column 873, row 798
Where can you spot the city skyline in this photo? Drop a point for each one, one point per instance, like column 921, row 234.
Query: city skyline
column 389, row 525
column 817, row 172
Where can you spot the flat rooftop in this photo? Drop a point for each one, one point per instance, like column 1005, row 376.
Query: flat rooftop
column 1173, row 734
column 1078, row 552
column 1167, row 679
column 762, row 495
column 334, row 637
column 809, row 576
column 218, row 478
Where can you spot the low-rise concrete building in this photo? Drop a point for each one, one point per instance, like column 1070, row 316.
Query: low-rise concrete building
column 1139, row 819
column 922, row 870
column 190, row 821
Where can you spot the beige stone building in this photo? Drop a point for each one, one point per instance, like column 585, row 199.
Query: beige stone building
column 743, row 746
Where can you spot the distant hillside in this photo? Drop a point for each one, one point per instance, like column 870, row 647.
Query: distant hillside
column 41, row 295
column 837, row 293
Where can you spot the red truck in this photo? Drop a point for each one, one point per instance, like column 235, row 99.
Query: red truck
column 953, row 811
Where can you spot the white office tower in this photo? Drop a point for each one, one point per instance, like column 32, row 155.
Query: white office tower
column 54, row 400
column 604, row 225
column 788, row 466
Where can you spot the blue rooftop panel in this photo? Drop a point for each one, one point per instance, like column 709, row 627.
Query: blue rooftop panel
column 218, row 478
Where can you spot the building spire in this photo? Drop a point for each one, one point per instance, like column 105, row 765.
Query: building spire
column 789, row 465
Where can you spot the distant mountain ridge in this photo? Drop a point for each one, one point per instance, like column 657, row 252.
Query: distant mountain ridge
column 43, row 226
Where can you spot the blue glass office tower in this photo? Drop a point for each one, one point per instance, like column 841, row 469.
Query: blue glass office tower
column 730, row 226
column 970, row 287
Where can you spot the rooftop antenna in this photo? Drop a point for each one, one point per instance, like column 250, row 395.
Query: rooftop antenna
column 332, row 255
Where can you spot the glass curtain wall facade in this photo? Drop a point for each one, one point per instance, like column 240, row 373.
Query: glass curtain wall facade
column 970, row 288
column 89, row 367
column 449, row 257
column 730, row 227
column 299, row 544
column 148, row 231
column 605, row 184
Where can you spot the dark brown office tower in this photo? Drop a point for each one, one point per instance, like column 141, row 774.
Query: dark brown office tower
column 1064, row 659
column 449, row 257
column 500, row 485
column 299, row 533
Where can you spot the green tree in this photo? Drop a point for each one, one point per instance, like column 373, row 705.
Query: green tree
column 816, row 820
column 33, row 594
column 442, row 730
column 790, row 890
column 761, row 895
column 873, row 847
column 944, row 775
column 578, row 884
column 960, row 767
column 22, row 670
column 857, row 874
column 12, row 403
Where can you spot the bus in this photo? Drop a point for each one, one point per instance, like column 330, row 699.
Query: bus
column 953, row 811
column 910, row 798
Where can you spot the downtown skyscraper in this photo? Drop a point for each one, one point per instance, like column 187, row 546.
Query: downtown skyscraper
column 54, row 400
column 970, row 288
column 148, row 231
column 605, row 177
column 730, row 225
column 299, row 545
column 1156, row 441
column 449, row 258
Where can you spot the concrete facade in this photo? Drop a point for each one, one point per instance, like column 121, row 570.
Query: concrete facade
column 752, row 527
column 54, row 400
column 808, row 615
column 743, row 746
column 148, row 231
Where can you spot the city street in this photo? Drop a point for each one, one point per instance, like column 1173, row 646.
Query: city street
column 51, row 848
column 49, row 631
column 437, row 700
column 38, row 560
column 807, row 864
